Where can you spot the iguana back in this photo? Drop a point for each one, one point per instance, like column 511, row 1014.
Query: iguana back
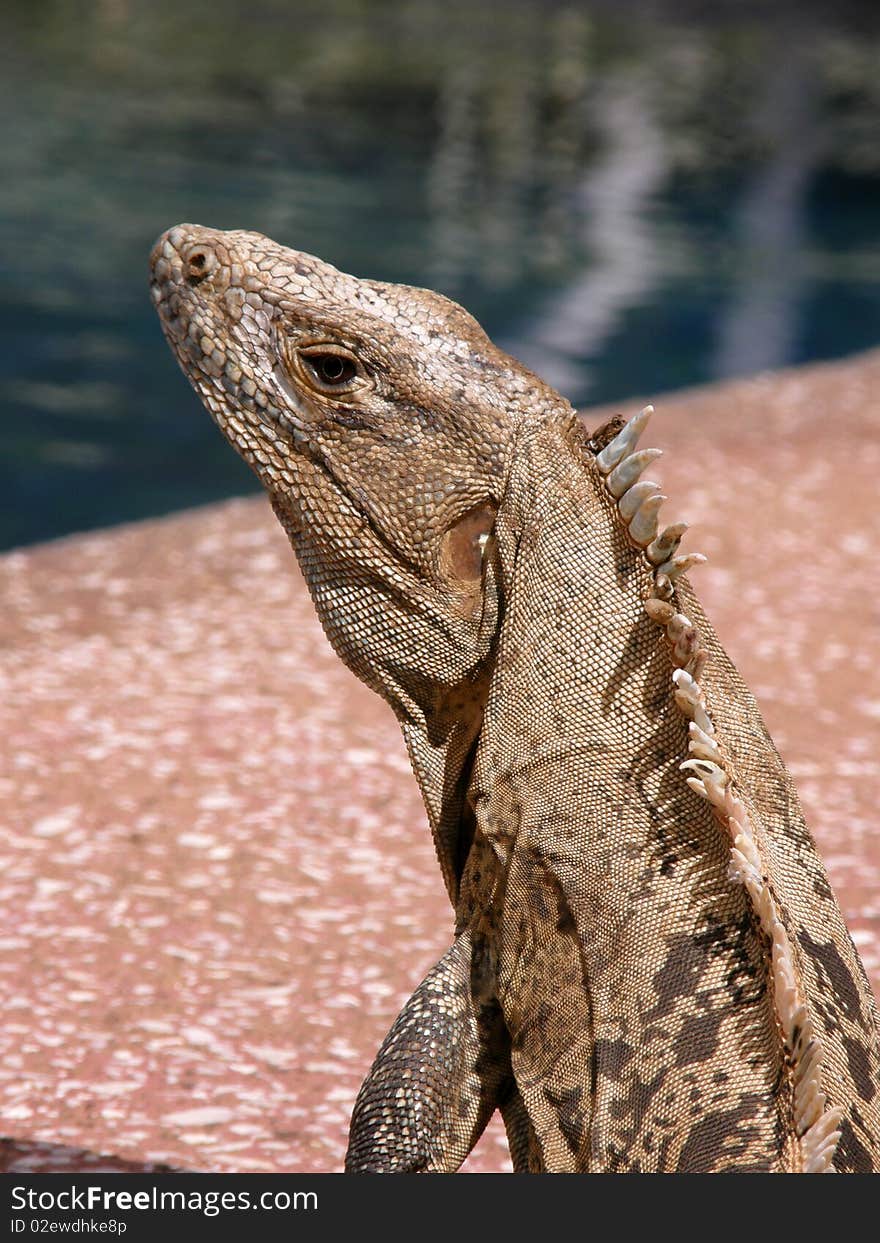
column 650, row 970
column 701, row 1002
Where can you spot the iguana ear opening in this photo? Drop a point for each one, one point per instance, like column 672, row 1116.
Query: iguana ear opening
column 462, row 546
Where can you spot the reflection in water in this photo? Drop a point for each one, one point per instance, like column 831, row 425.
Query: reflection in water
column 628, row 200
column 758, row 327
column 613, row 206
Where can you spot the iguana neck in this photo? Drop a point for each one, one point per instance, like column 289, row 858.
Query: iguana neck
column 438, row 702
column 577, row 788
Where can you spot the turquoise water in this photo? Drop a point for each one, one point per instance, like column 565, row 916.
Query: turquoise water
column 629, row 197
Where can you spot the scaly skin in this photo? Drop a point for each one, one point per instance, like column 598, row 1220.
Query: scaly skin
column 650, row 971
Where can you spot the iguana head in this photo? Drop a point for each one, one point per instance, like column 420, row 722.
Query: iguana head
column 395, row 394
column 379, row 418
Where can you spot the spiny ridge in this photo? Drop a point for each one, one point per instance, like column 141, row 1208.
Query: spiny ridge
column 817, row 1127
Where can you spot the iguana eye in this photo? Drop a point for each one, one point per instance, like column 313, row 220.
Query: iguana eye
column 329, row 367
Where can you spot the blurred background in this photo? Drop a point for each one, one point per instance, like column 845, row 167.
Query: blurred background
column 631, row 197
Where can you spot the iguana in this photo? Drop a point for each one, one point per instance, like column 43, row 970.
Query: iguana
column 650, row 971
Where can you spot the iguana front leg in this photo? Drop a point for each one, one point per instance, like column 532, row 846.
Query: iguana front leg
column 521, row 1139
column 440, row 1074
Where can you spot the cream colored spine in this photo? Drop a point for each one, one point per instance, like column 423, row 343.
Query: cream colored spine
column 816, row 1127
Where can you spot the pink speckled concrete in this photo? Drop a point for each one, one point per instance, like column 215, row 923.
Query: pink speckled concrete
column 218, row 886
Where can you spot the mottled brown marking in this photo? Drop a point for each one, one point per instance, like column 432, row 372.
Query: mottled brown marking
column 852, row 1156
column 720, row 1142
column 840, row 981
column 859, row 1068
column 699, row 1038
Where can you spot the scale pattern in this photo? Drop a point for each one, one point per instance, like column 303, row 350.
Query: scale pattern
column 650, row 971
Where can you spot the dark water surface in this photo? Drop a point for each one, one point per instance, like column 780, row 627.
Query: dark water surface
column 630, row 197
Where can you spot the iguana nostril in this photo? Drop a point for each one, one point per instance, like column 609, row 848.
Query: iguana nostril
column 198, row 264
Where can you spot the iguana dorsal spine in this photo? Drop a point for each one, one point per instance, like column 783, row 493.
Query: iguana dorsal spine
column 816, row 1126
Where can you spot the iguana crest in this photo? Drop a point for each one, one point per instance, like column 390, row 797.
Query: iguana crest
column 708, row 773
